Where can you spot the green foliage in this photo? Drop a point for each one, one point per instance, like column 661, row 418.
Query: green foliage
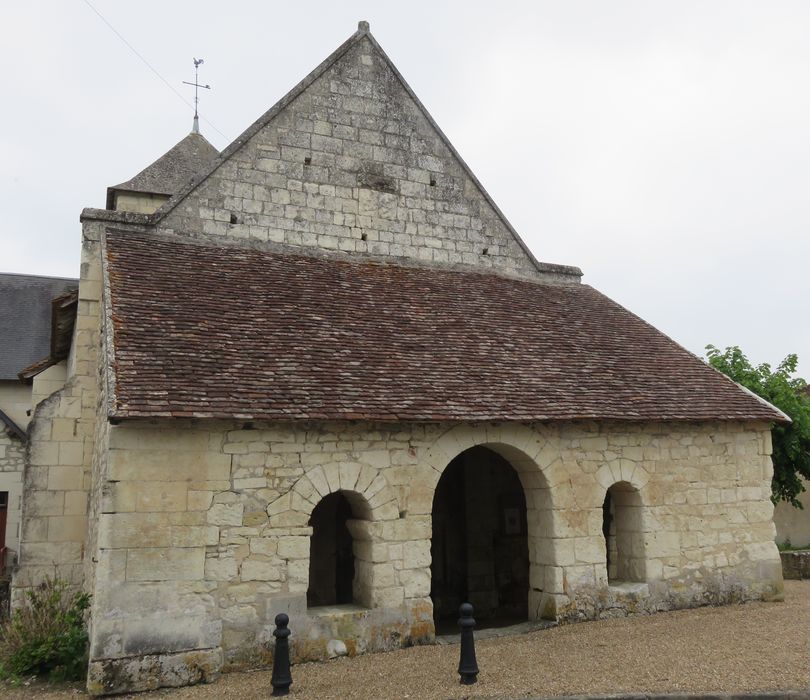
column 786, row 546
column 47, row 636
column 791, row 443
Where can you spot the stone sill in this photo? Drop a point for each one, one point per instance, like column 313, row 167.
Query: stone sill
column 333, row 611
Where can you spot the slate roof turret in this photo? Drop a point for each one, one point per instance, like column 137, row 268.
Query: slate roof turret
column 172, row 171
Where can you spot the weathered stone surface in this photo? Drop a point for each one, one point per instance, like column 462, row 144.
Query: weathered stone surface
column 124, row 675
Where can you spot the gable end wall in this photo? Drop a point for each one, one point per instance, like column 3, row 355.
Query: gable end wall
column 348, row 166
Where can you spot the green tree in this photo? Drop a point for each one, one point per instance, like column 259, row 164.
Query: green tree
column 791, row 442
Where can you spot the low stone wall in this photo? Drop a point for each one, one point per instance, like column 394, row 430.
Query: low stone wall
column 795, row 565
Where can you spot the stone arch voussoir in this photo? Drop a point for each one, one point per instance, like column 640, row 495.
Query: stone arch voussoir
column 622, row 470
column 365, row 487
column 530, row 452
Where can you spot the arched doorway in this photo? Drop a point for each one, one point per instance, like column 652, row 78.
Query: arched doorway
column 331, row 554
column 479, row 546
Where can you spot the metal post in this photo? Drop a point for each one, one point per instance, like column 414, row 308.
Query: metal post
column 467, row 665
column 281, row 678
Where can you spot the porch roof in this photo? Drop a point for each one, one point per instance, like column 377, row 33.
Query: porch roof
column 202, row 329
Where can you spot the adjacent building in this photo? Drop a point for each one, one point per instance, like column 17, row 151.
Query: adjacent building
column 26, row 313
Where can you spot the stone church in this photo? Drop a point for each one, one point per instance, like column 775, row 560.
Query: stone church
column 320, row 373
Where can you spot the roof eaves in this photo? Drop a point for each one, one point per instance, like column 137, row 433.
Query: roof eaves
column 26, row 374
column 116, row 216
column 785, row 417
column 63, row 318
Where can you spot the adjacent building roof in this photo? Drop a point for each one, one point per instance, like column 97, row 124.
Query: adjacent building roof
column 25, row 319
column 63, row 319
column 221, row 331
column 173, row 170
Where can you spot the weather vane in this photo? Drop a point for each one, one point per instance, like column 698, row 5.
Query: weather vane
column 197, row 63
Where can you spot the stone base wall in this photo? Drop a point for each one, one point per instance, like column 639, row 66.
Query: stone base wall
column 114, row 676
column 203, row 529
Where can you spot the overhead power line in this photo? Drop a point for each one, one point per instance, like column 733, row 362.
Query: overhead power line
column 150, row 66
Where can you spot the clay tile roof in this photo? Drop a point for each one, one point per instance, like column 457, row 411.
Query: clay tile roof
column 169, row 173
column 229, row 332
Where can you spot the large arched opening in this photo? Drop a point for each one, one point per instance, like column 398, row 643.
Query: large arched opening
column 479, row 545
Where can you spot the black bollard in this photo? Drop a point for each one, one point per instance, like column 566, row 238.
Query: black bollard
column 467, row 665
column 281, row 678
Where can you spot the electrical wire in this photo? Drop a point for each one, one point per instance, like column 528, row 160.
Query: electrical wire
column 150, row 66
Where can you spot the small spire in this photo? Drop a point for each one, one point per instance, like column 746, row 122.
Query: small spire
column 363, row 26
column 195, row 128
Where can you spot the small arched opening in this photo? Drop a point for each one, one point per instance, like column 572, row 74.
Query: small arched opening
column 479, row 547
column 624, row 536
column 332, row 578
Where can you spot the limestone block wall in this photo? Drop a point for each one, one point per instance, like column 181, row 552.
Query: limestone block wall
column 48, row 382
column 58, row 468
column 12, row 458
column 353, row 165
column 203, row 531
column 140, row 202
column 54, row 521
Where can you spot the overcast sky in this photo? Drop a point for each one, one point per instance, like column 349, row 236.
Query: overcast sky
column 661, row 146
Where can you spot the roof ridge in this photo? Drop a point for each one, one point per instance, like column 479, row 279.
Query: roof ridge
column 42, row 277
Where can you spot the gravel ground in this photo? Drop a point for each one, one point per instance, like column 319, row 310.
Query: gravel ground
column 743, row 648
